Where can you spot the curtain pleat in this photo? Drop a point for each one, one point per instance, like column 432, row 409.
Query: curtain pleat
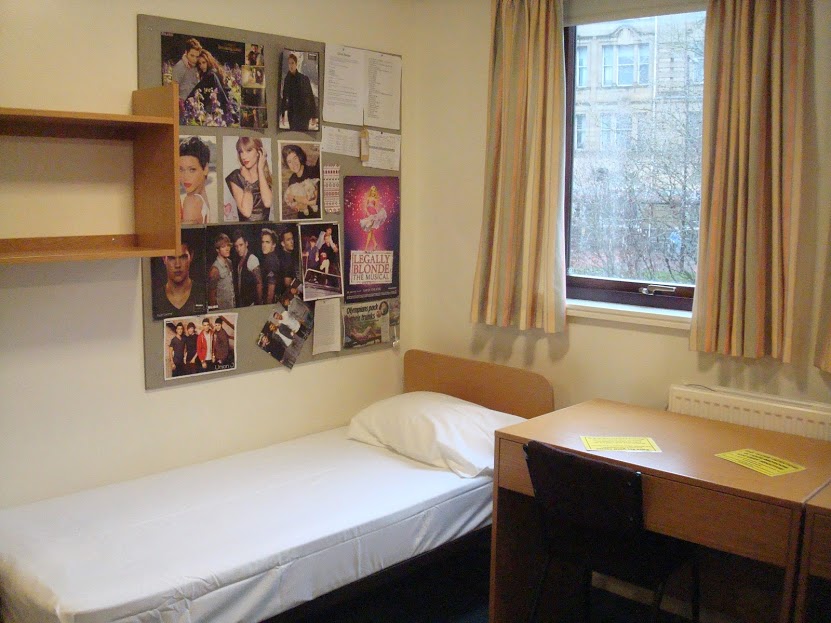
column 520, row 274
column 752, row 149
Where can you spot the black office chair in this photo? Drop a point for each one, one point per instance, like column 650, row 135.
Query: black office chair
column 592, row 515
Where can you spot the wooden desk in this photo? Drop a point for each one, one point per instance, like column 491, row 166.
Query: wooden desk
column 689, row 493
column 816, row 548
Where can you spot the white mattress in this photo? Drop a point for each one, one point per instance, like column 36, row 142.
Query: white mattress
column 236, row 539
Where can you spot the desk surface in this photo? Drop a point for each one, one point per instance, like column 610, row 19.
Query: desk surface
column 689, row 445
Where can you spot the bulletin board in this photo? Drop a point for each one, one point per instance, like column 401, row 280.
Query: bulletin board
column 222, row 132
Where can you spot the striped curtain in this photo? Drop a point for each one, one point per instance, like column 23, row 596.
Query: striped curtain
column 750, row 200
column 822, row 358
column 520, row 275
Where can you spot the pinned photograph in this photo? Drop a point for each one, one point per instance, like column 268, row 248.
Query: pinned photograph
column 248, row 182
column 321, row 260
column 252, row 264
column 199, row 345
column 254, row 117
column 279, row 262
column 223, row 276
column 253, row 98
column 253, row 112
column 247, row 276
column 299, row 181
column 208, row 72
column 253, row 77
column 254, row 55
column 178, row 281
column 197, row 177
column 285, row 332
column 395, row 311
column 299, row 91
column 366, row 323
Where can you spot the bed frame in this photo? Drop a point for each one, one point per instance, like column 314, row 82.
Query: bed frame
column 502, row 388
column 498, row 387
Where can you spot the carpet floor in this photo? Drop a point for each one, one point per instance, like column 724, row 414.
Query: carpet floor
column 456, row 591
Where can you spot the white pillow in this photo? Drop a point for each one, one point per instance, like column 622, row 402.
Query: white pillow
column 433, row 428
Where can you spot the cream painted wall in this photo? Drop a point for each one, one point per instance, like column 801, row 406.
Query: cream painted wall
column 592, row 358
column 74, row 412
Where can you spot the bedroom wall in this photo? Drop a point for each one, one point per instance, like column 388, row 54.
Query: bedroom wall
column 73, row 409
column 633, row 363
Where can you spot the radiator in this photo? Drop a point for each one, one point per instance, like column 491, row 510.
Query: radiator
column 809, row 419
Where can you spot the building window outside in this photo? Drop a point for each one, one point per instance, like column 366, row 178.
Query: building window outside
column 608, row 65
column 623, row 131
column 634, row 197
column 615, row 130
column 696, row 67
column 579, row 131
column 643, row 64
column 582, row 66
column 625, row 65
column 607, row 130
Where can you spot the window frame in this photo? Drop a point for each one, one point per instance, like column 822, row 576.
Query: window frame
column 626, row 292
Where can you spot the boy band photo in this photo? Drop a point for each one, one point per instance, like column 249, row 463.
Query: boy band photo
column 199, row 344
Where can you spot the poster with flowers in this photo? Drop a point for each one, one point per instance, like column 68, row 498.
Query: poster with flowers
column 209, row 74
column 371, row 222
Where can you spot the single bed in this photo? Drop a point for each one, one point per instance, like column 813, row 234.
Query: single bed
column 253, row 535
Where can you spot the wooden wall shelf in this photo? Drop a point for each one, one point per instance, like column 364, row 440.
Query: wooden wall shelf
column 153, row 129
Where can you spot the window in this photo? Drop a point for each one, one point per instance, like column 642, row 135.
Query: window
column 625, row 65
column 582, row 66
column 579, row 131
column 608, row 65
column 623, row 131
column 615, row 130
column 633, row 197
column 695, row 61
column 607, row 130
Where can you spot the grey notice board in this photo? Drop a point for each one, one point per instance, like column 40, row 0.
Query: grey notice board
column 250, row 320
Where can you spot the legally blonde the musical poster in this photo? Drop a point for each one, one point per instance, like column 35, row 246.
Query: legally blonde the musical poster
column 371, row 222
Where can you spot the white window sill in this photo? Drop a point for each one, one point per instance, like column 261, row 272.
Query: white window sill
column 629, row 314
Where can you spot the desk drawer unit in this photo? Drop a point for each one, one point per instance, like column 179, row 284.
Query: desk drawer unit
column 820, row 550
column 724, row 521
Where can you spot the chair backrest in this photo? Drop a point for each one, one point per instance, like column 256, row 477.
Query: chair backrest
column 589, row 494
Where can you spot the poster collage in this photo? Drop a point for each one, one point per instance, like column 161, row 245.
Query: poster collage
column 254, row 229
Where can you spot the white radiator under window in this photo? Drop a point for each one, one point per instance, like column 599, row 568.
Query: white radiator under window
column 809, row 419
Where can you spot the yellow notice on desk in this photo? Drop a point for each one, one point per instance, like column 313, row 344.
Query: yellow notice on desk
column 625, row 444
column 761, row 462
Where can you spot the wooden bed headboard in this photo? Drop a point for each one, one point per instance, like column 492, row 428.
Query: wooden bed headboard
column 502, row 388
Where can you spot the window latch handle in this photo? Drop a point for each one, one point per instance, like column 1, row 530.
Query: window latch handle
column 652, row 289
